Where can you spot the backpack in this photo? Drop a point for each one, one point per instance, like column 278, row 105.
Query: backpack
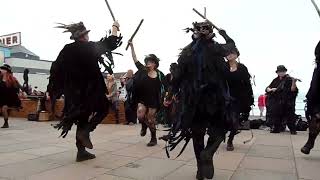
column 301, row 125
column 256, row 123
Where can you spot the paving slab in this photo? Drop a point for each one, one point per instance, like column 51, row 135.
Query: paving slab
column 308, row 167
column 10, row 158
column 110, row 161
column 274, row 140
column 269, row 164
column 148, row 168
column 68, row 157
column 224, row 160
column 250, row 174
column 76, row 171
column 33, row 151
column 187, row 172
column 139, row 150
column 299, row 141
column 26, row 168
column 267, row 151
column 43, row 151
column 110, row 177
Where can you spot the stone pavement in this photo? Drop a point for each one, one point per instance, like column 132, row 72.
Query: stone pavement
column 33, row 151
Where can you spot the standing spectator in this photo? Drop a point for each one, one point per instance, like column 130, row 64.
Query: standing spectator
column 130, row 109
column 261, row 104
column 113, row 95
column 282, row 93
column 26, row 87
column 170, row 110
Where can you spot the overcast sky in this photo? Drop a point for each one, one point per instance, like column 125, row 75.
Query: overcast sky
column 267, row 33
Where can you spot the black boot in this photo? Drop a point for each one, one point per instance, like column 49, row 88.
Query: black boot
column 6, row 124
column 292, row 127
column 206, row 156
column 199, row 171
column 275, row 129
column 143, row 131
column 230, row 146
column 83, row 136
column 293, row 132
column 310, row 144
column 153, row 140
column 82, row 154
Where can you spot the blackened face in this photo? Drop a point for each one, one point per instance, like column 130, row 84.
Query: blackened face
column 281, row 74
column 205, row 30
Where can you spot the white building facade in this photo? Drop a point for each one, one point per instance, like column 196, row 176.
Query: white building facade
column 20, row 58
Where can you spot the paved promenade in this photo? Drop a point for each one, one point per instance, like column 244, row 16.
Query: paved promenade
column 33, row 151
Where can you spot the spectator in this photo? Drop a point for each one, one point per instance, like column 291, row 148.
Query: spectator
column 282, row 93
column 130, row 108
column 261, row 104
column 113, row 95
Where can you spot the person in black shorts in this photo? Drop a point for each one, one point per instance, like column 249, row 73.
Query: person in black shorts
column 148, row 90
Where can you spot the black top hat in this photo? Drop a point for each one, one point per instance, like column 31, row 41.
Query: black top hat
column 233, row 50
column 153, row 58
column 281, row 68
column 77, row 29
column 7, row 68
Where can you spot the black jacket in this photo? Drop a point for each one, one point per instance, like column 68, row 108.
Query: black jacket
column 313, row 95
column 201, row 79
column 240, row 87
column 283, row 95
column 139, row 78
column 77, row 75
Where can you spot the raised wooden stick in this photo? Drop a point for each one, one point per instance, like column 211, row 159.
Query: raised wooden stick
column 135, row 32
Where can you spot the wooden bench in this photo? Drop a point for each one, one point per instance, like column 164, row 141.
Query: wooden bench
column 30, row 106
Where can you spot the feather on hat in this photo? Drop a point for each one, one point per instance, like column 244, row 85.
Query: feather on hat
column 76, row 29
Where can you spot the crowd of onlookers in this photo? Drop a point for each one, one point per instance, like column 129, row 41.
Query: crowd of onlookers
column 121, row 93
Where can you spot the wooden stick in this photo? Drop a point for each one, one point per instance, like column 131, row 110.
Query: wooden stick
column 134, row 34
column 214, row 26
column 114, row 19
column 315, row 6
